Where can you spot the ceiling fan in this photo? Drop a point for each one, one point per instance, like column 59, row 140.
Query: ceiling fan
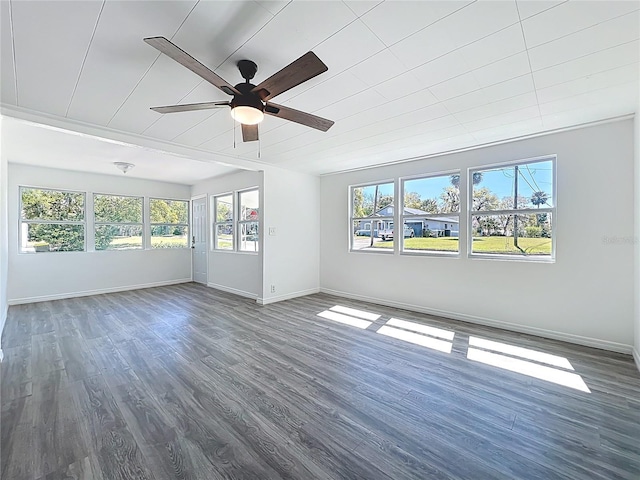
column 249, row 102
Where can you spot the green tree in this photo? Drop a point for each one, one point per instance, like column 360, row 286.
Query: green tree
column 429, row 205
column 412, row 200
column 450, row 200
column 539, row 198
column 455, row 179
column 52, row 205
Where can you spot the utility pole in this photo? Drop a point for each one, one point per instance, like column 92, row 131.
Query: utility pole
column 375, row 207
column 515, row 206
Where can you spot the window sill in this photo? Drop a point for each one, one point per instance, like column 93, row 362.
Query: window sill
column 512, row 258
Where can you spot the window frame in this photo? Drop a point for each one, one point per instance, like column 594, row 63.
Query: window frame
column 404, row 217
column 240, row 223
column 97, row 224
column 153, row 224
column 528, row 211
column 215, row 223
column 22, row 220
column 372, row 220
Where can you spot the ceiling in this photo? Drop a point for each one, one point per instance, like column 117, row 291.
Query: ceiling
column 405, row 79
column 32, row 144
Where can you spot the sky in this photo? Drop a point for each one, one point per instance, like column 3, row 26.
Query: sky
column 532, row 177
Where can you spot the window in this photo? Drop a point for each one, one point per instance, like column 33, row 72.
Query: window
column 372, row 217
column 236, row 217
column 51, row 220
column 511, row 209
column 118, row 222
column 223, row 224
column 431, row 214
column 249, row 208
column 169, row 223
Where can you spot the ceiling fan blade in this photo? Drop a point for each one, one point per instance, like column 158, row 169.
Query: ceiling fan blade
column 301, row 70
column 249, row 133
column 189, row 107
column 297, row 116
column 183, row 58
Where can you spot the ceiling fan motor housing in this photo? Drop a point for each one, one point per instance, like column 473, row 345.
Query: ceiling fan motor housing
column 248, row 98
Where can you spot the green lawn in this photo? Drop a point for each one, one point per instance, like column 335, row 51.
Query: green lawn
column 123, row 243
column 531, row 246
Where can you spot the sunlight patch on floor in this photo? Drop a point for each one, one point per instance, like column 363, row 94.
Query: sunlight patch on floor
column 339, row 317
column 524, row 365
column 420, row 328
column 356, row 313
column 417, row 339
column 522, row 352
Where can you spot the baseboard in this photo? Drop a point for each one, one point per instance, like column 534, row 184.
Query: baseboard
column 86, row 293
column 540, row 332
column 235, row 291
column 287, row 296
column 636, row 357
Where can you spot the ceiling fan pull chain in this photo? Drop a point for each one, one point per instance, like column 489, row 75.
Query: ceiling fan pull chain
column 234, row 134
column 259, row 143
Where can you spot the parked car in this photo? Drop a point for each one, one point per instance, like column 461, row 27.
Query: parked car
column 388, row 233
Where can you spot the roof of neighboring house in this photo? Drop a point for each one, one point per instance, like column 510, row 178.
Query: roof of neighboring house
column 417, row 211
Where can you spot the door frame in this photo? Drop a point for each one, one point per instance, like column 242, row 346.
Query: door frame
column 206, row 233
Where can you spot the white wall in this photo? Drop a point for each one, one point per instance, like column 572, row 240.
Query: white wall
column 292, row 255
column 236, row 272
column 4, row 246
column 34, row 277
column 586, row 296
column 636, row 342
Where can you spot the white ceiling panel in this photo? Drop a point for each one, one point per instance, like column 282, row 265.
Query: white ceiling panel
column 171, row 125
column 529, row 8
column 497, row 108
column 493, row 48
column 220, row 121
column 463, row 27
column 360, row 7
column 604, row 35
column 378, row 68
column 51, row 39
column 505, row 69
column 588, row 65
column 402, row 75
column 456, row 86
column 508, row 128
column 36, row 145
column 102, row 89
column 362, row 44
column 7, row 77
column 153, row 91
column 608, row 78
column 615, row 95
column 572, row 17
column 298, row 28
column 273, row 6
column 442, row 69
column 407, row 19
column 399, row 86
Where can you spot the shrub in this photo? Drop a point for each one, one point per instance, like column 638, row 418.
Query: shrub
column 533, row 232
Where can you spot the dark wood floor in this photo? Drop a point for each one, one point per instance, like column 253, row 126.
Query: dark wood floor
column 188, row 382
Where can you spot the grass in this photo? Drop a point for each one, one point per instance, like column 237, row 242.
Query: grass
column 504, row 245
column 123, row 243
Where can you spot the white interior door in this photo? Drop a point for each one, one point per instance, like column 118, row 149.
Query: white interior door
column 199, row 239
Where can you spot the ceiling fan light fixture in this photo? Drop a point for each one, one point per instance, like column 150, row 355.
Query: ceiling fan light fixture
column 247, row 115
column 124, row 167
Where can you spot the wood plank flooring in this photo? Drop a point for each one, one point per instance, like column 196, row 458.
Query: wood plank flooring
column 187, row 382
